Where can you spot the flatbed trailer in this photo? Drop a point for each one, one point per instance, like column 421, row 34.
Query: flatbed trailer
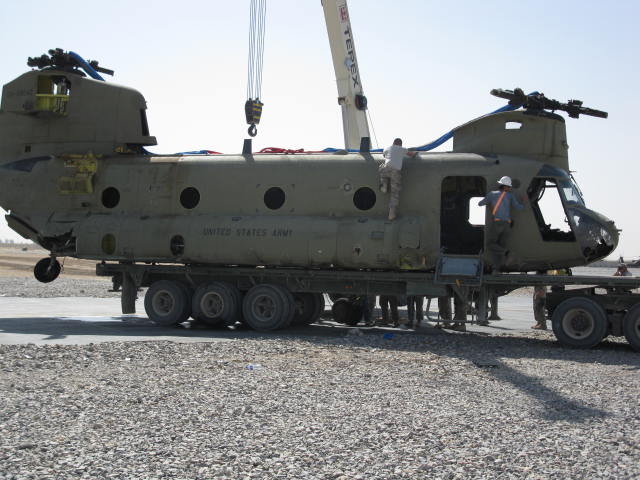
column 583, row 309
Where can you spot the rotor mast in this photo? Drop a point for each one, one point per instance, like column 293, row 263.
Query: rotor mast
column 350, row 94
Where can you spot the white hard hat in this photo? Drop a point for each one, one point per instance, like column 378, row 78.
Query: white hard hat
column 506, row 181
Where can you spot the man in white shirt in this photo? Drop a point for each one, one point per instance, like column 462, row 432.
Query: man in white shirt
column 390, row 173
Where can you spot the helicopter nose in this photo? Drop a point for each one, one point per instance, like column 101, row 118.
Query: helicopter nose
column 597, row 235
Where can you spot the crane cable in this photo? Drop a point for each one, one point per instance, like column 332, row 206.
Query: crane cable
column 253, row 105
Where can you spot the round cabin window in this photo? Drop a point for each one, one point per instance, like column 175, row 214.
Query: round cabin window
column 364, row 198
column 110, row 197
column 189, row 198
column 109, row 244
column 274, row 198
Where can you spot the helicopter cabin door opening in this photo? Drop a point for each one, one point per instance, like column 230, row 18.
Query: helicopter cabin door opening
column 461, row 219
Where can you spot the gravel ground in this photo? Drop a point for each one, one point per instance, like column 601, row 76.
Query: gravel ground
column 443, row 406
column 357, row 407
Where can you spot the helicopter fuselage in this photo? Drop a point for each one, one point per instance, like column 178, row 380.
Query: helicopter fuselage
column 76, row 179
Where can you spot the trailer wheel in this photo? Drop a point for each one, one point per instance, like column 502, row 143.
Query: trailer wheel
column 307, row 308
column 334, row 297
column 579, row 322
column 214, row 303
column 347, row 311
column 167, row 303
column 355, row 315
column 318, row 307
column 287, row 296
column 266, row 307
column 631, row 326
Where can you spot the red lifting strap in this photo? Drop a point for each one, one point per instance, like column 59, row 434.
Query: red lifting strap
column 280, row 150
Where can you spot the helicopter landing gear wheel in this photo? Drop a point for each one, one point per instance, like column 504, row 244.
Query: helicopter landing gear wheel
column 167, row 303
column 631, row 326
column 579, row 322
column 47, row 270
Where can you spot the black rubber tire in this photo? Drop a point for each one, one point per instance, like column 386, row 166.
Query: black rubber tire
column 47, row 270
column 167, row 303
column 341, row 310
column 631, row 326
column 214, row 303
column 306, row 308
column 334, row 297
column 265, row 308
column 290, row 301
column 355, row 315
column 318, row 306
column 579, row 322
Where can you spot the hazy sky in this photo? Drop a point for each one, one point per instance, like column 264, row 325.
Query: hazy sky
column 426, row 66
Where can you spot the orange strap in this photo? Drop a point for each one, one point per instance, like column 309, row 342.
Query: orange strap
column 495, row 209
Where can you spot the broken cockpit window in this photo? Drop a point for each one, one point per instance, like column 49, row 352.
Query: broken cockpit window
column 546, row 195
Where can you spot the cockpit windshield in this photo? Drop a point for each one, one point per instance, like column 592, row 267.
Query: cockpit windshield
column 570, row 192
column 561, row 215
column 547, row 197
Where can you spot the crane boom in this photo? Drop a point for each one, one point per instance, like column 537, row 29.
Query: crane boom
column 350, row 94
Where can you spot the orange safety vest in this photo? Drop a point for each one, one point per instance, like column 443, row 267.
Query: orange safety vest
column 495, row 208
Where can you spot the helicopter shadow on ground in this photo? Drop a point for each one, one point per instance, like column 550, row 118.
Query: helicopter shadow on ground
column 482, row 351
column 488, row 353
column 471, row 347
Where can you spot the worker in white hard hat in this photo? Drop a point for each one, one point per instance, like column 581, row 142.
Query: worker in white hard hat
column 390, row 173
column 499, row 202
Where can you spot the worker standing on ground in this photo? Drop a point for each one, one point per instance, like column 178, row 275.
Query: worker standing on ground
column 414, row 309
column 444, row 311
column 539, row 301
column 390, row 173
column 499, row 229
column 368, row 307
column 622, row 271
column 389, row 304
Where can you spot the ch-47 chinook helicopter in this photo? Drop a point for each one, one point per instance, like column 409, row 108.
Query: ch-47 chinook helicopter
column 77, row 180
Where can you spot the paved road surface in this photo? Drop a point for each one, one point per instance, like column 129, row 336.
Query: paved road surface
column 82, row 320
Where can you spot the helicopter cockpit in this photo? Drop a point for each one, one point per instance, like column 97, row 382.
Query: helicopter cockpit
column 562, row 215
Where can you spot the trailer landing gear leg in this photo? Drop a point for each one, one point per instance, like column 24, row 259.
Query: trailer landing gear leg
column 129, row 294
